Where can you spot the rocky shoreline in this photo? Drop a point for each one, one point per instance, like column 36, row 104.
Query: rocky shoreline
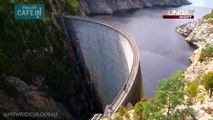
column 199, row 33
column 109, row 7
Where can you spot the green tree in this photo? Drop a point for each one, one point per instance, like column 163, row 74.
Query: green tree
column 170, row 94
column 208, row 82
column 37, row 50
column 206, row 52
column 150, row 109
column 138, row 109
column 193, row 89
column 122, row 111
column 68, row 7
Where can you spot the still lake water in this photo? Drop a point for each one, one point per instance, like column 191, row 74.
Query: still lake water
column 162, row 50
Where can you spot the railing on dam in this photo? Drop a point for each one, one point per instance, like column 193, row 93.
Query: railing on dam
column 127, row 50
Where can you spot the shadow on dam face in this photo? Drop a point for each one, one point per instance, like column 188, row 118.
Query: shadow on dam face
column 108, row 60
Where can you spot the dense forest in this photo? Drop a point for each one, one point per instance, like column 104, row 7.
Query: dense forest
column 35, row 53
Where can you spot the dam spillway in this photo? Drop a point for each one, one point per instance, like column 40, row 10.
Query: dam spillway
column 109, row 60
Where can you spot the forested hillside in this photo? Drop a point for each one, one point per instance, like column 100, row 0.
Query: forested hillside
column 37, row 70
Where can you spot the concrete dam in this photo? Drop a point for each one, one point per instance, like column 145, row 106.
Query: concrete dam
column 109, row 61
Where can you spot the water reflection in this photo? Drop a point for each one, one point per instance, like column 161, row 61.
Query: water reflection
column 162, row 50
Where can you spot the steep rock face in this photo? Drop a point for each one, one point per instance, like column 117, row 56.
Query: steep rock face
column 110, row 6
column 19, row 96
column 199, row 33
column 46, row 72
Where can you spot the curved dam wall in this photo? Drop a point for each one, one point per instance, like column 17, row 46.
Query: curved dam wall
column 110, row 61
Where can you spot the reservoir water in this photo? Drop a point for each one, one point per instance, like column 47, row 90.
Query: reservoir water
column 162, row 50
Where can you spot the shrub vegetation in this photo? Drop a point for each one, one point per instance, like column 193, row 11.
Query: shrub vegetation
column 170, row 95
column 138, row 109
column 210, row 15
column 123, row 111
column 208, row 83
column 193, row 89
column 206, row 52
column 37, row 49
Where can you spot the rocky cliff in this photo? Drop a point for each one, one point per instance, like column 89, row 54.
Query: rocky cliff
column 17, row 96
column 110, row 6
column 45, row 73
column 200, row 33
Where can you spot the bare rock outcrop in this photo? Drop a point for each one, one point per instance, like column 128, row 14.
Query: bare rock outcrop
column 199, row 33
column 110, row 6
